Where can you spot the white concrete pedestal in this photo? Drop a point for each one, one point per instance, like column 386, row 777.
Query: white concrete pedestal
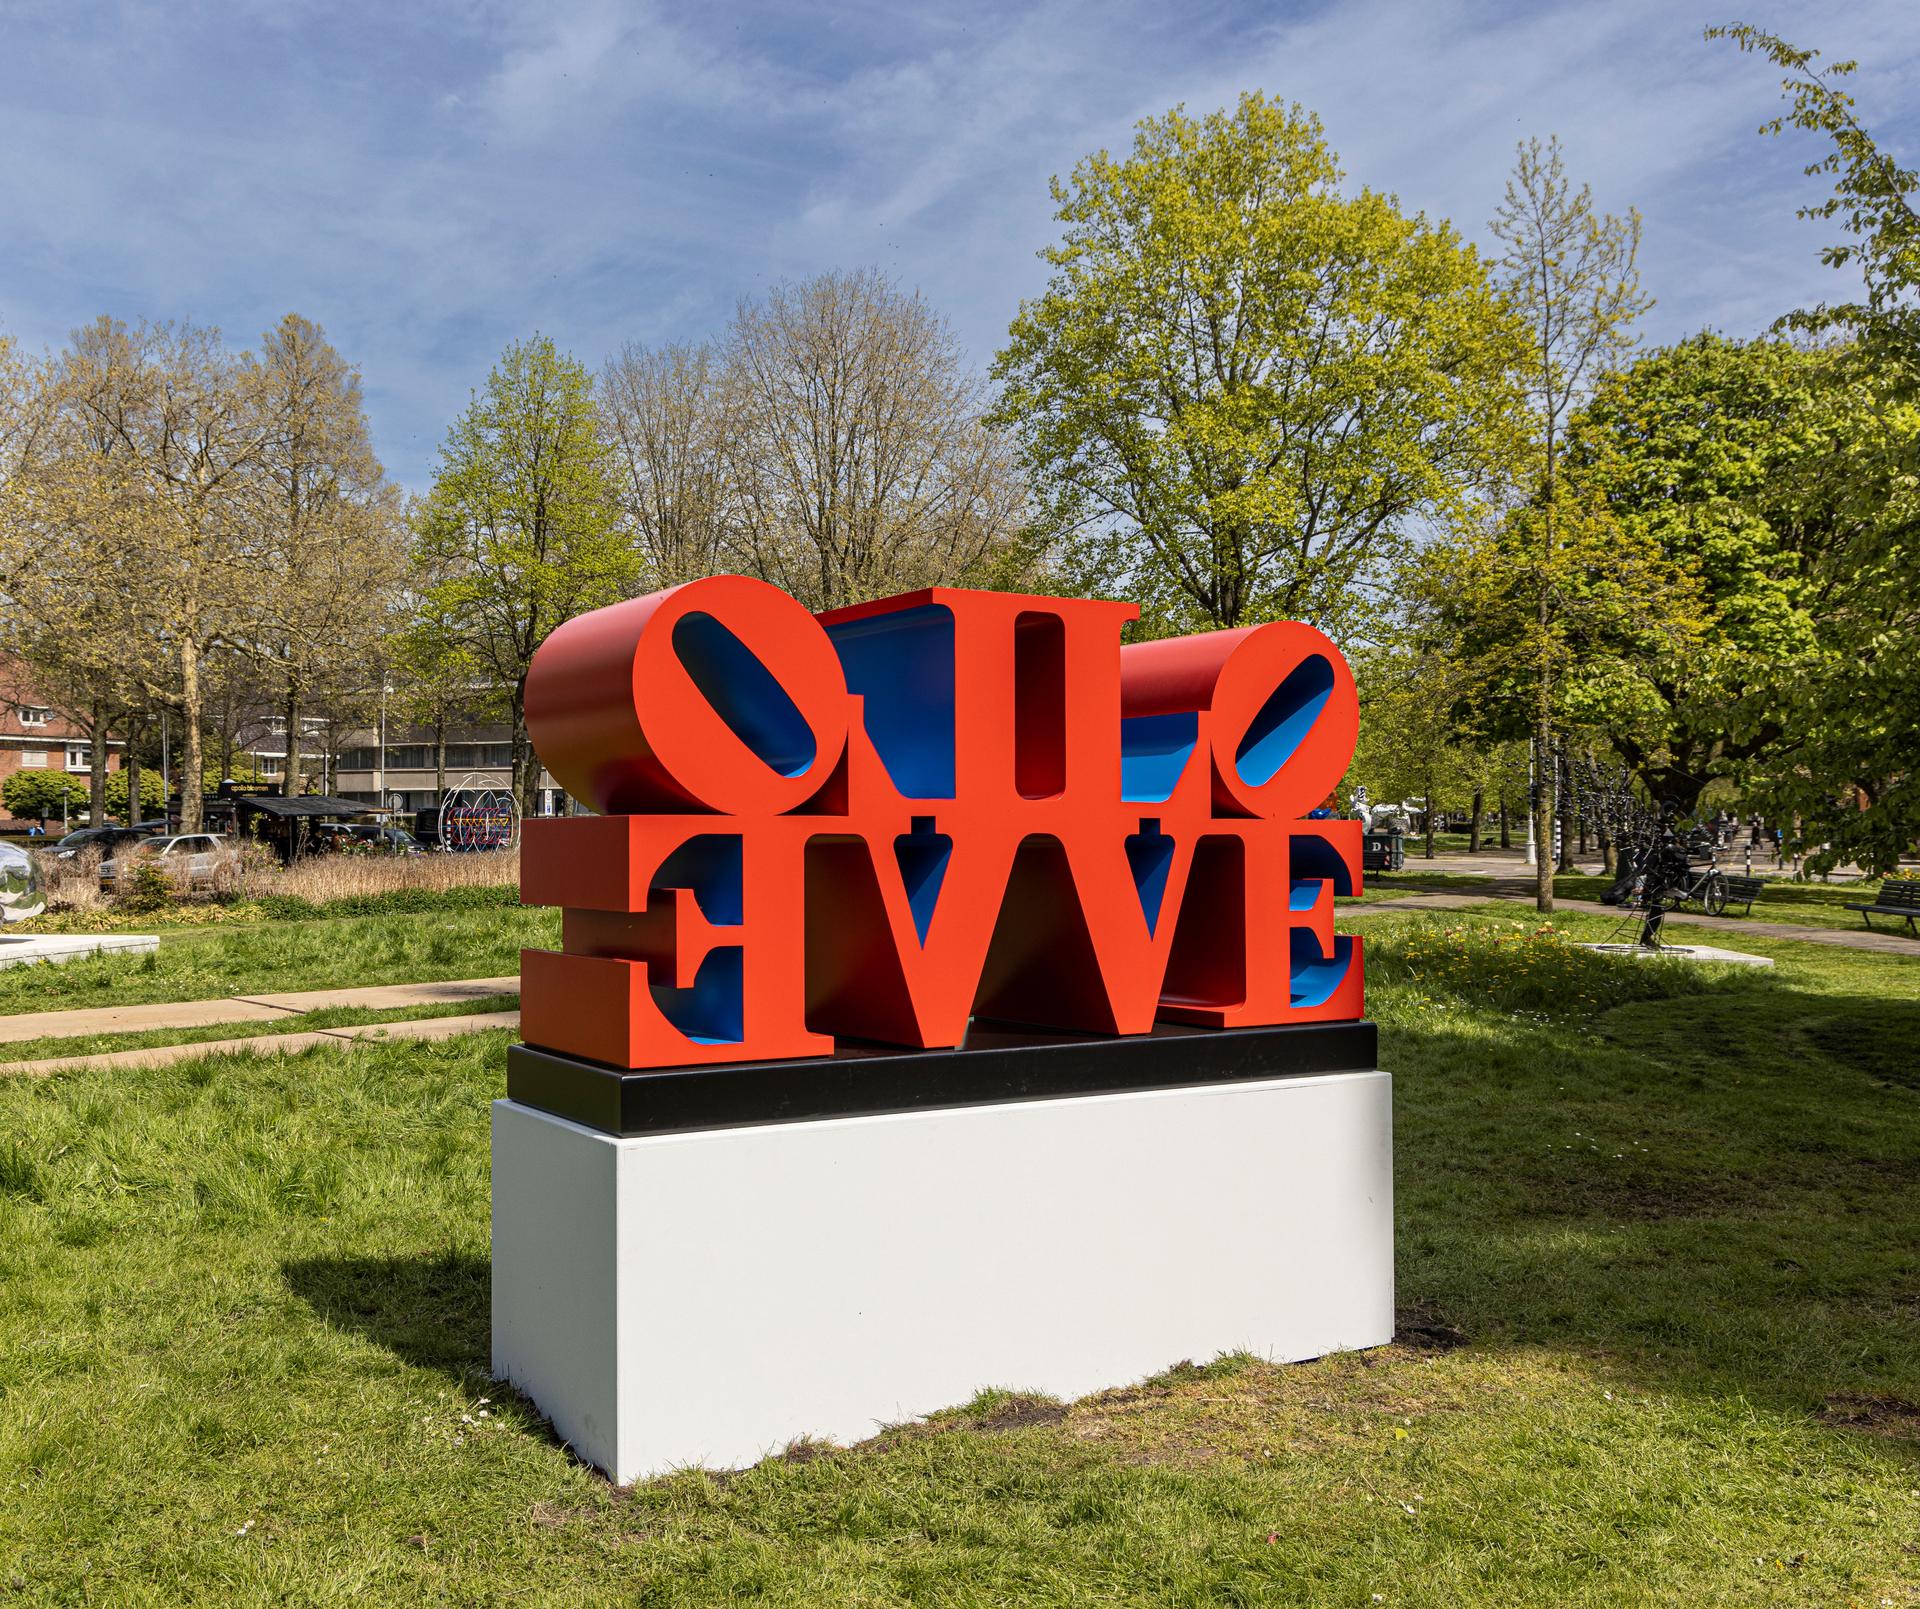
column 705, row 1298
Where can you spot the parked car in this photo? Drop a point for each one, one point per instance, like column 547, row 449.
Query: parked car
column 196, row 858
column 108, row 840
column 363, row 839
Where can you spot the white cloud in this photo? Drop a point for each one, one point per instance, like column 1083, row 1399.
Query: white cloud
column 430, row 182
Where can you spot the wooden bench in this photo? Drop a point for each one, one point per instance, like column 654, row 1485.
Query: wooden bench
column 1742, row 891
column 1898, row 896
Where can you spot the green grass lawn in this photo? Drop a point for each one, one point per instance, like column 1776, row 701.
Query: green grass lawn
column 1397, row 885
column 277, row 957
column 1659, row 1267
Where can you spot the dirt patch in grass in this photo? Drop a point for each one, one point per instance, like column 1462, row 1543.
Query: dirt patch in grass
column 988, row 1414
column 1881, row 1416
column 1016, row 1412
column 1420, row 1329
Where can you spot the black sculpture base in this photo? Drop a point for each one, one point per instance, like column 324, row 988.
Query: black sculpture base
column 999, row 1062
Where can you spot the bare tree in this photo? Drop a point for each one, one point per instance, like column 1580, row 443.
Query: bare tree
column 78, row 530
column 860, row 464
column 330, row 552
column 664, row 413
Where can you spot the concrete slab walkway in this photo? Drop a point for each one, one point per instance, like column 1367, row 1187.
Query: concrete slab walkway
column 245, row 1008
column 1499, row 891
column 269, row 1044
column 29, row 949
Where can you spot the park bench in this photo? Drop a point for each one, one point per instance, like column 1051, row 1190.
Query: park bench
column 1743, row 891
column 1898, row 896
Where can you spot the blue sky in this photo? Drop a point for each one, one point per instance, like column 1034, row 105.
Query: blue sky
column 431, row 180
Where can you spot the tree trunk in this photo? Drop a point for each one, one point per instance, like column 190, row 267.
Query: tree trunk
column 1506, row 826
column 526, row 764
column 97, row 768
column 1429, row 802
column 290, row 712
column 1473, row 824
column 440, row 755
column 192, row 766
column 1609, row 858
column 1564, row 861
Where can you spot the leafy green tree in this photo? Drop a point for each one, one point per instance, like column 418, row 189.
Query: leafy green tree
column 1244, row 386
column 1571, row 274
column 1766, row 471
column 43, row 795
column 1873, row 200
column 520, row 527
column 1409, row 746
column 440, row 682
column 153, row 794
column 1855, row 784
column 1587, row 615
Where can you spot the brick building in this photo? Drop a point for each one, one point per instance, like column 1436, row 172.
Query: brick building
column 35, row 734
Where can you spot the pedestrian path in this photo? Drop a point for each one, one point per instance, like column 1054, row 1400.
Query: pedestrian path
column 246, row 1008
column 270, row 1044
column 1510, row 890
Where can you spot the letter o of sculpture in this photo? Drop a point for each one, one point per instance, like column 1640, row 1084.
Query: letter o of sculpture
column 1276, row 706
column 721, row 694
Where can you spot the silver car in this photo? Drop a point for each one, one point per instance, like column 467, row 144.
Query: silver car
column 21, row 893
column 194, row 858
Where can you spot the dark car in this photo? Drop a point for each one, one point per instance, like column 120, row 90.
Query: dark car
column 362, row 839
column 108, row 840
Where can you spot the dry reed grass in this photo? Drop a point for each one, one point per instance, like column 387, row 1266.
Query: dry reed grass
column 326, row 877
column 74, row 885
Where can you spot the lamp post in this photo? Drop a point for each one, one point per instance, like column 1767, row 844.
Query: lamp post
column 1533, row 801
column 380, row 766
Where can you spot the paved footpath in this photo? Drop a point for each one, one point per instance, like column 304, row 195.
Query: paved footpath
column 245, row 1008
column 270, row 1044
column 1508, row 889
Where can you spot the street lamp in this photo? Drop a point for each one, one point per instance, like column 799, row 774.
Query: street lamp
column 380, row 767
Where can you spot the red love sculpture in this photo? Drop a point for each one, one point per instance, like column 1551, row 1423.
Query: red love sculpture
column 883, row 821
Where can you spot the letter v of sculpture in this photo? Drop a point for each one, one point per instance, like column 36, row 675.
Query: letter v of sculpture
column 885, row 822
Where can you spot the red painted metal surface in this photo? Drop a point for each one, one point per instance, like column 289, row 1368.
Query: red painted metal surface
column 881, row 822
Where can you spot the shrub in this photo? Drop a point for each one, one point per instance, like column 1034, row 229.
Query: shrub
column 144, row 889
column 38, row 795
column 1525, row 968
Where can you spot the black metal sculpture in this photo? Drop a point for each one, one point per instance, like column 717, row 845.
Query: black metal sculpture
column 1656, row 853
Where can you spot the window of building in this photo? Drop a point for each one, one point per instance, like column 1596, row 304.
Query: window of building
column 269, row 765
column 34, row 759
column 35, row 715
column 79, row 756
